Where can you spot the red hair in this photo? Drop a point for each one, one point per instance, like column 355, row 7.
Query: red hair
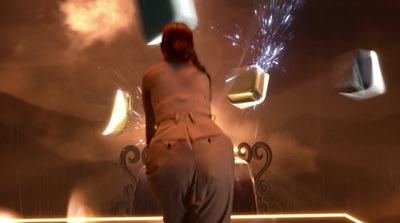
column 177, row 43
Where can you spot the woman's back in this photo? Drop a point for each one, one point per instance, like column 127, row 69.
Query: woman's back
column 180, row 98
column 189, row 159
column 177, row 88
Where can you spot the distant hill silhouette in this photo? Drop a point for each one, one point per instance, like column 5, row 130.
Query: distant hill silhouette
column 37, row 182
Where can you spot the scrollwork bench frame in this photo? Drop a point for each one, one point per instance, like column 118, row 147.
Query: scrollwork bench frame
column 264, row 201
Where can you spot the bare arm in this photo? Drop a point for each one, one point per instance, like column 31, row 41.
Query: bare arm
column 148, row 109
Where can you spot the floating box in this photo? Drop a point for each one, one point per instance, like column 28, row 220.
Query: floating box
column 360, row 76
column 158, row 13
column 248, row 86
column 121, row 114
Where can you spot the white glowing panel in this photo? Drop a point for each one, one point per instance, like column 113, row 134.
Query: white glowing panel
column 158, row 13
column 121, row 114
column 339, row 217
column 247, row 86
column 365, row 80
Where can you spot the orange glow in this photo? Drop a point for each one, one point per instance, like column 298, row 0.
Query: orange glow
column 159, row 219
column 97, row 20
column 121, row 114
column 297, row 216
column 7, row 214
column 77, row 208
column 235, row 149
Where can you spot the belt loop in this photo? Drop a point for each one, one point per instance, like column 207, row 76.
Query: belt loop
column 192, row 118
column 176, row 118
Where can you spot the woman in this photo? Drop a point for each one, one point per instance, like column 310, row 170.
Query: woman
column 190, row 162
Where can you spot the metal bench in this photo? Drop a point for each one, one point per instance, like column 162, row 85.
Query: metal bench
column 251, row 194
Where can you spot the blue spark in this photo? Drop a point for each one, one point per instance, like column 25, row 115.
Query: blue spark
column 274, row 18
column 234, row 38
column 230, row 78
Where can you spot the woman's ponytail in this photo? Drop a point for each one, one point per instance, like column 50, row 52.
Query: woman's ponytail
column 177, row 44
column 196, row 63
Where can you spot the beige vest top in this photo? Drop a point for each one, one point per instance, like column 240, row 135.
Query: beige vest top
column 180, row 97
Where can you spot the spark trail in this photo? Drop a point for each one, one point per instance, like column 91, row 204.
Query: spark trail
column 274, row 32
column 270, row 32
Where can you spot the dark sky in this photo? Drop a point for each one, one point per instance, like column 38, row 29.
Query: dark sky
column 60, row 66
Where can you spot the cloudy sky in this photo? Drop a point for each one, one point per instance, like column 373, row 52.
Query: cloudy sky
column 61, row 63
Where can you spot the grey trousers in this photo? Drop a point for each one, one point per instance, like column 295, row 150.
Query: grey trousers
column 192, row 180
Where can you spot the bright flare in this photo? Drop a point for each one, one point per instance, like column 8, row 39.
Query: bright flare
column 121, row 114
column 235, row 218
column 96, row 20
column 377, row 85
column 185, row 12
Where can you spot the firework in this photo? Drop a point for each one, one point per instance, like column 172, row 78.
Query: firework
column 274, row 18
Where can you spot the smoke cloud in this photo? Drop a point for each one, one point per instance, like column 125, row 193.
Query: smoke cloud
column 96, row 20
column 290, row 157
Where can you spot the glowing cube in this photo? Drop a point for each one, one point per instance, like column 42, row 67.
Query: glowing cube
column 158, row 13
column 360, row 76
column 121, row 114
column 248, row 86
